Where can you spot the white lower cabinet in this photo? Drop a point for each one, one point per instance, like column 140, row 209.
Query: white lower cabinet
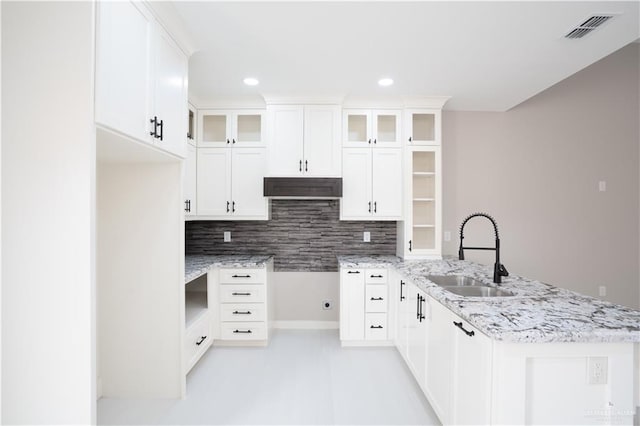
column 244, row 307
column 364, row 305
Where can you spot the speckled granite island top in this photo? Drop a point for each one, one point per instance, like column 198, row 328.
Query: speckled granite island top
column 537, row 313
column 198, row 265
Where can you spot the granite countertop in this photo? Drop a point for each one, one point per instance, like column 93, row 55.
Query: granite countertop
column 537, row 313
column 197, row 265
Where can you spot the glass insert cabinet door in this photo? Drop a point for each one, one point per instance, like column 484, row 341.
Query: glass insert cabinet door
column 371, row 128
column 220, row 128
column 423, row 127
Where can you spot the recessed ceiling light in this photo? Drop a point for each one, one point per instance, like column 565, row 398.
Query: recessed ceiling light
column 250, row 81
column 385, row 82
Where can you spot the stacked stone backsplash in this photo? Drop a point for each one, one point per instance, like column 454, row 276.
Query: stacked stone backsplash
column 303, row 235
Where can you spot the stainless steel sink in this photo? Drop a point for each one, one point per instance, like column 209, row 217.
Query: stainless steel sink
column 477, row 291
column 454, row 280
column 467, row 286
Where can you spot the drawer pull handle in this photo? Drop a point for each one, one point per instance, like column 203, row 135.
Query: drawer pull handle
column 241, row 294
column 201, row 340
column 241, row 276
column 241, row 313
column 242, row 331
column 459, row 325
column 376, row 326
column 377, row 276
column 377, row 298
column 353, row 272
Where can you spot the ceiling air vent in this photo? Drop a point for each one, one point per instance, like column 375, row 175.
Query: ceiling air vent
column 587, row 26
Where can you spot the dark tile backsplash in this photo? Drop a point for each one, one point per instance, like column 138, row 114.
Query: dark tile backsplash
column 303, row 235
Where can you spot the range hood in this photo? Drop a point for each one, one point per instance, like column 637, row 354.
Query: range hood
column 302, row 188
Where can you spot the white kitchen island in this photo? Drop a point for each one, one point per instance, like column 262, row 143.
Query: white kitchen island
column 542, row 356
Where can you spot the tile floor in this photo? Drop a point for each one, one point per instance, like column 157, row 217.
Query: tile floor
column 302, row 377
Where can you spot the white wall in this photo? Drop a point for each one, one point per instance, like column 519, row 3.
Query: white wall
column 48, row 168
column 536, row 168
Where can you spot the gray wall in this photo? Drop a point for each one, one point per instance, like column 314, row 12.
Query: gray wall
column 536, row 168
column 304, row 235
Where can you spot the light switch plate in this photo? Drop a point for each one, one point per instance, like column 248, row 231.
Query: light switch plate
column 602, row 186
column 227, row 236
column 367, row 237
column 447, row 235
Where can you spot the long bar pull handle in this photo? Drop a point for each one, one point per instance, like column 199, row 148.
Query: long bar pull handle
column 241, row 312
column 300, row 167
column 243, row 331
column 306, row 166
column 161, row 130
column 228, row 206
column 377, row 298
column 353, row 272
column 422, row 300
column 240, row 276
column 410, row 245
column 375, row 207
column 241, row 294
column 377, row 276
column 376, row 326
column 402, row 283
column 467, row 332
column 369, row 206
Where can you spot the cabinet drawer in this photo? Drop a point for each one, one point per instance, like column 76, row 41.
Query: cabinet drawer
column 242, row 312
column 243, row 276
column 242, row 293
column 376, row 298
column 243, row 331
column 375, row 327
column 197, row 340
column 375, row 276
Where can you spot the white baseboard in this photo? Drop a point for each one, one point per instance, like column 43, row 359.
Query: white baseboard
column 307, row 325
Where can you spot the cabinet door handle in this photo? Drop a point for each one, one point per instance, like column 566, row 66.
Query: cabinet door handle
column 228, row 207
column 369, row 141
column 410, row 138
column 242, row 331
column 409, row 245
column 241, row 294
column 300, row 168
column 233, row 141
column 376, row 326
column 161, row 130
column 240, row 276
column 375, row 207
column 353, row 272
column 369, row 206
column 202, row 338
column 154, row 121
column 417, row 306
column 227, row 141
column 241, row 313
column 233, row 207
column 422, row 300
column 377, row 276
column 401, row 296
column 187, row 206
column 377, row 298
column 375, row 141
column 467, row 332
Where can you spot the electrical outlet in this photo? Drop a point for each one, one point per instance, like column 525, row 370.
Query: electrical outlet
column 447, row 235
column 227, row 236
column 327, row 304
column 602, row 290
column 597, row 369
column 367, row 237
column 602, row 186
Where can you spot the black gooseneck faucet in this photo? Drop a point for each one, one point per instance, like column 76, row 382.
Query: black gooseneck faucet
column 499, row 270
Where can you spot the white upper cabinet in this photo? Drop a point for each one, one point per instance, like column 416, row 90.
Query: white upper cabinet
column 189, row 181
column 375, row 128
column 423, row 127
column 233, row 128
column 230, row 184
column 141, row 77
column 304, row 140
column 371, row 184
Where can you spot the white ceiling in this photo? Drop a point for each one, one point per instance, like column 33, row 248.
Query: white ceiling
column 485, row 55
